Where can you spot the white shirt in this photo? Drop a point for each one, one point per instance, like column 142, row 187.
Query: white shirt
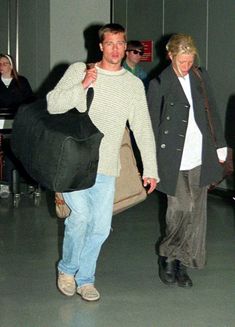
column 6, row 123
column 6, row 81
column 192, row 152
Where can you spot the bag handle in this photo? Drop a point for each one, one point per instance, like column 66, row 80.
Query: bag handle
column 89, row 97
column 207, row 106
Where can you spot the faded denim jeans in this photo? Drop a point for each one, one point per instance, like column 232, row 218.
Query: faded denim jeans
column 86, row 229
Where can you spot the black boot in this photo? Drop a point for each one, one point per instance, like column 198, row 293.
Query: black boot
column 182, row 278
column 167, row 271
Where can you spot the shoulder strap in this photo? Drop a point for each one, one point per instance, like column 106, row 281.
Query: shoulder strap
column 207, row 106
column 89, row 97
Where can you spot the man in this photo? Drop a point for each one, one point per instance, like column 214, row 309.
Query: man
column 134, row 52
column 118, row 96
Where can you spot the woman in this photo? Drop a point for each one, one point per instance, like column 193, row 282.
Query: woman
column 14, row 89
column 188, row 160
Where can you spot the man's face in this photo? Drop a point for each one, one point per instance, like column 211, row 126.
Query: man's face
column 182, row 63
column 113, row 47
column 134, row 56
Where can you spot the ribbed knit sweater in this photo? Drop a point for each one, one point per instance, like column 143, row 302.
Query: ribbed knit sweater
column 119, row 97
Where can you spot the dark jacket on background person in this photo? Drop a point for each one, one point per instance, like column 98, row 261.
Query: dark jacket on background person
column 169, row 110
column 16, row 93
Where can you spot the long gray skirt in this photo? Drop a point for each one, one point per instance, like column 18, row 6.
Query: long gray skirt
column 186, row 220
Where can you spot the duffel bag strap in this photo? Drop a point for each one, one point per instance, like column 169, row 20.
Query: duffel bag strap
column 89, row 97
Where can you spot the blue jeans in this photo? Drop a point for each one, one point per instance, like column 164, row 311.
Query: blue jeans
column 87, row 228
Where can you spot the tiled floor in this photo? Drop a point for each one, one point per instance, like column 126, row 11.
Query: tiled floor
column 132, row 294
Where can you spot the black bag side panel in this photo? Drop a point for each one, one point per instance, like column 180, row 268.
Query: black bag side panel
column 61, row 151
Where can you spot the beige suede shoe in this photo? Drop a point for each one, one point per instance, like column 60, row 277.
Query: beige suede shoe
column 66, row 284
column 88, row 293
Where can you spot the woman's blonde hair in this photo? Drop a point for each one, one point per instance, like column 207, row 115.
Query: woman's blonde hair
column 182, row 44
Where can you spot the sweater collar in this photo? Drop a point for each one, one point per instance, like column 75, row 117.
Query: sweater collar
column 102, row 71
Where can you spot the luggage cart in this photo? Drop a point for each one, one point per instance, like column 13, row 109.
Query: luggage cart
column 18, row 173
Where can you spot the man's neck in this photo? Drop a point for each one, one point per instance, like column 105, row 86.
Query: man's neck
column 109, row 66
column 130, row 64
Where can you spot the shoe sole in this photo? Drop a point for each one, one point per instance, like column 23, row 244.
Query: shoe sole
column 88, row 300
column 66, row 294
column 184, row 286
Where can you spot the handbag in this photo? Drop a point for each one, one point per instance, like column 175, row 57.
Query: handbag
column 228, row 167
column 129, row 189
column 228, row 170
column 59, row 151
column 61, row 207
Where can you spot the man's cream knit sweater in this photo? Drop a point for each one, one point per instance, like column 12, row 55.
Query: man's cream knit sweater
column 118, row 96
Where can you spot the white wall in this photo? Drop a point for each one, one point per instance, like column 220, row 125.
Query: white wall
column 68, row 19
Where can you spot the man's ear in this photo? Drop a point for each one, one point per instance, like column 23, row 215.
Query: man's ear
column 101, row 47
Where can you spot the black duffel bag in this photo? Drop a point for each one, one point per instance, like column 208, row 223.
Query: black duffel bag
column 59, row 151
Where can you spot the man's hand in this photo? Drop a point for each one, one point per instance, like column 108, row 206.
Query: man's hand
column 90, row 77
column 151, row 183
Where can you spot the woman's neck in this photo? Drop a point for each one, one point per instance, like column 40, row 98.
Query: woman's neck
column 7, row 75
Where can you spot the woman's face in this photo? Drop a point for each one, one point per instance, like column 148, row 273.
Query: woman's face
column 182, row 63
column 5, row 67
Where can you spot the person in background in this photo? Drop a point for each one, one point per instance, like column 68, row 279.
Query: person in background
column 188, row 160
column 14, row 89
column 134, row 52
column 119, row 96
